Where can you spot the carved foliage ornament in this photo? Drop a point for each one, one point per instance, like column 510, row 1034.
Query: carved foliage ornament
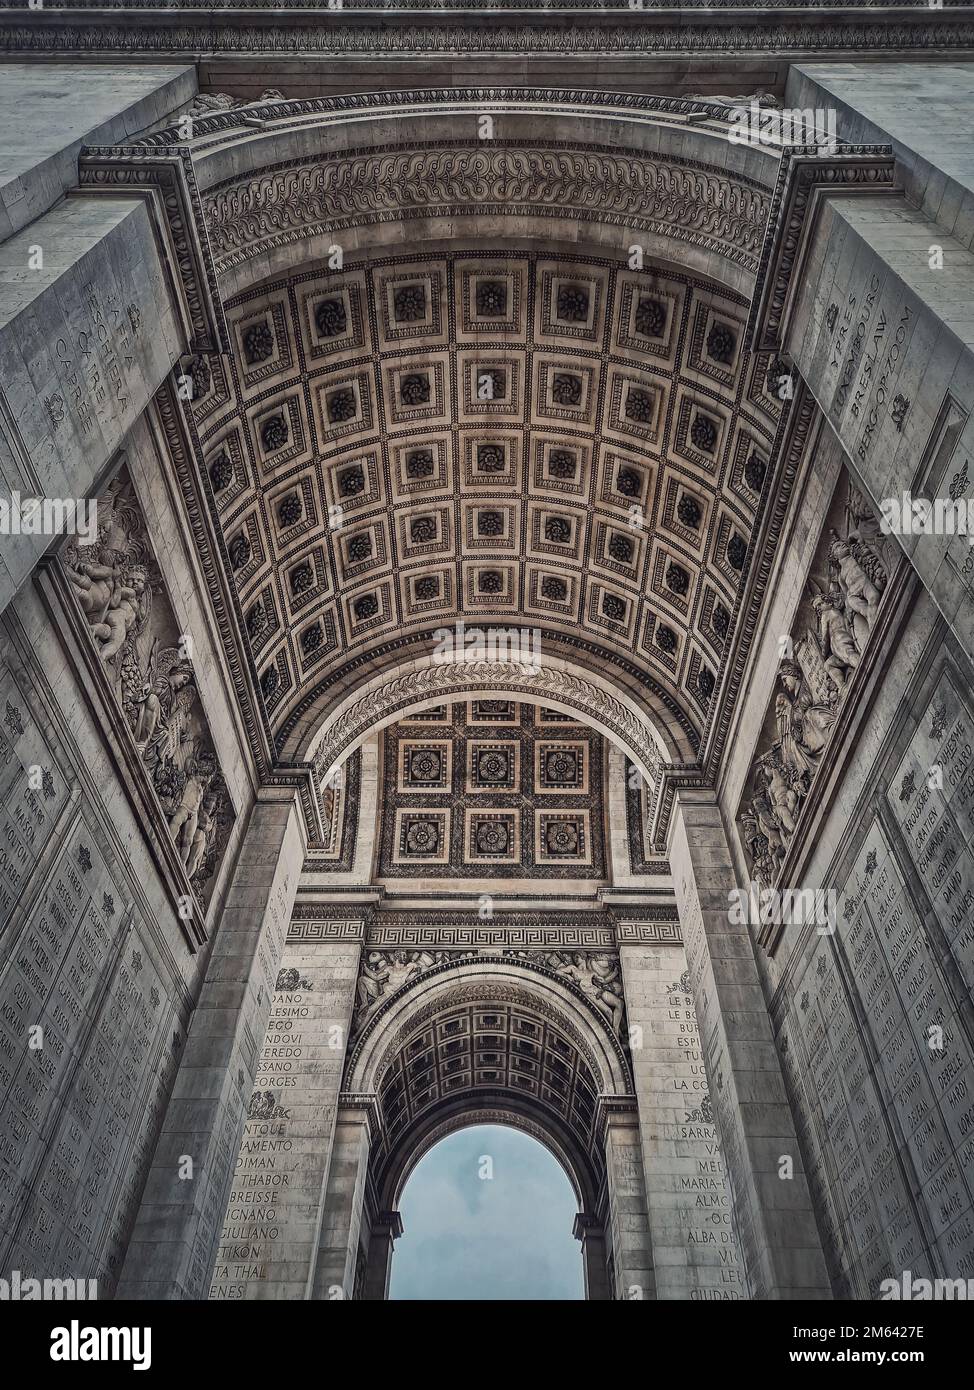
column 699, row 204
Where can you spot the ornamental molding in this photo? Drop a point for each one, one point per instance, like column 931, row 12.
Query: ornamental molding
column 485, row 937
column 168, row 180
column 699, row 205
column 231, row 116
column 467, row 9
column 485, row 990
column 327, row 929
column 453, row 679
column 576, row 649
column 650, row 934
column 804, row 181
column 248, row 32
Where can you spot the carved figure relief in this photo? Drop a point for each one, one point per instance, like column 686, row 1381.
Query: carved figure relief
column 121, row 593
column 383, row 972
column 596, row 974
column 838, row 612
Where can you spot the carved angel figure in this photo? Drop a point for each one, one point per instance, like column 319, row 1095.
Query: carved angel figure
column 114, row 598
column 372, row 980
column 567, row 963
column 859, row 593
column 158, row 703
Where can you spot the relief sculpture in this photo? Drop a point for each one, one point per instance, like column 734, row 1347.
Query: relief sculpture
column 383, row 972
column 596, row 974
column 839, row 609
column 120, row 591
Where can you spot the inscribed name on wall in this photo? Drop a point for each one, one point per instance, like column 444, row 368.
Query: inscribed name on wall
column 87, row 1020
column 887, row 1105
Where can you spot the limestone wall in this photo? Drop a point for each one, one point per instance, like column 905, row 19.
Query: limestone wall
column 874, row 1021
column 96, row 975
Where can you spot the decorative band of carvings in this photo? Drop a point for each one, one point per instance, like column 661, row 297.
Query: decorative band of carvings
column 566, row 101
column 327, row 921
column 464, row 7
column 701, row 205
column 170, row 178
column 561, row 645
column 247, row 33
column 487, row 989
column 484, row 936
column 795, row 434
column 330, row 930
column 440, row 680
column 649, row 933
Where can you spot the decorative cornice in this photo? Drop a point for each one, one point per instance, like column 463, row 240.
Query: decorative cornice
column 806, row 178
column 718, row 9
column 334, row 33
column 664, row 931
column 544, row 931
column 700, row 206
column 614, row 1109
column 308, row 932
column 168, row 178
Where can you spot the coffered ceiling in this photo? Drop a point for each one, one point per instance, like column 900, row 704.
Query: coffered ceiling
column 492, row 789
column 555, row 442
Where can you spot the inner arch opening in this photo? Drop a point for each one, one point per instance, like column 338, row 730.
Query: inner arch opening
column 488, row 1213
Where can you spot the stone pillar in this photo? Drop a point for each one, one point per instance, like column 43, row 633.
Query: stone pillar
column 627, row 1221
column 695, row 1250
column 386, row 1230
column 339, row 1241
column 270, row 1232
column 173, row 1245
column 588, row 1229
column 773, row 1215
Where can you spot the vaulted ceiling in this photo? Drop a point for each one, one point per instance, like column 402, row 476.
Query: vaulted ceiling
column 554, row 441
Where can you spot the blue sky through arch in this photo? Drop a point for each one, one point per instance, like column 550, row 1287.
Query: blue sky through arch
column 473, row 1236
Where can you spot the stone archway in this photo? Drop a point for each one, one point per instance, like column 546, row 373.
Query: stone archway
column 520, row 1038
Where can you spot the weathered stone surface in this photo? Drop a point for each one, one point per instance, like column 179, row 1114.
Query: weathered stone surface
column 490, row 412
